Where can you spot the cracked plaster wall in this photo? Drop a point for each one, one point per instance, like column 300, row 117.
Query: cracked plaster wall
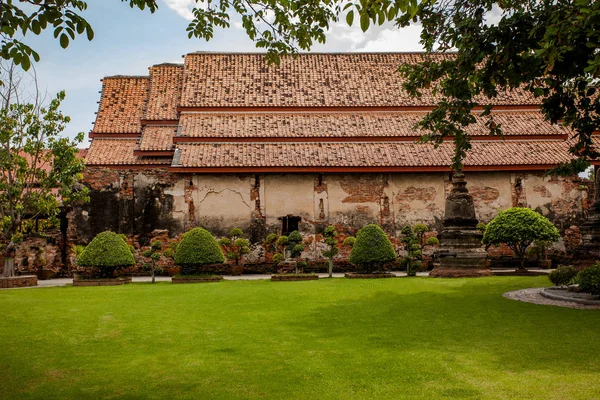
column 256, row 202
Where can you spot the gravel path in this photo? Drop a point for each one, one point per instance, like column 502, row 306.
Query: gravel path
column 533, row 295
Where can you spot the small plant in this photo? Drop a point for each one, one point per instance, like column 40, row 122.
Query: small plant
column 563, row 275
column 197, row 248
column 589, row 279
column 77, row 251
column 236, row 246
column 518, row 228
column 154, row 254
column 107, row 252
column 372, row 249
column 330, row 235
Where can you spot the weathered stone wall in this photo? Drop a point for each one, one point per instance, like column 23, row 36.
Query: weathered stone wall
column 125, row 201
column 141, row 201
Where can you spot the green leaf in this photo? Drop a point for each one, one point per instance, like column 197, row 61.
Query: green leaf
column 364, row 22
column 90, row 32
column 64, row 41
column 350, row 17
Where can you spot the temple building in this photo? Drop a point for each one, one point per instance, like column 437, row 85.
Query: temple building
column 226, row 140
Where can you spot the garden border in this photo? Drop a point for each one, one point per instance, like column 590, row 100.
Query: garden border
column 294, row 277
column 195, row 279
column 102, row 282
column 355, row 275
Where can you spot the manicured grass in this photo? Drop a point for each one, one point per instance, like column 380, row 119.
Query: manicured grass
column 329, row 339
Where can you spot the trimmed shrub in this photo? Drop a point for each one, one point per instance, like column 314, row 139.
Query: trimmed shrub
column 197, row 247
column 277, row 258
column 349, row 241
column 589, row 279
column 295, row 237
column 432, row 241
column 372, row 249
column 563, row 275
column 518, row 228
column 107, row 252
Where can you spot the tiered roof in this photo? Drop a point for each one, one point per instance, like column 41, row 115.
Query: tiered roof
column 316, row 112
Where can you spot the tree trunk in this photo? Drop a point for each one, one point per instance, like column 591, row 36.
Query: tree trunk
column 331, row 267
column 9, row 267
column 153, row 271
column 522, row 263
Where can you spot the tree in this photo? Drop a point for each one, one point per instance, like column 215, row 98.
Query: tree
column 154, row 253
column 295, row 246
column 35, row 16
column 39, row 170
column 414, row 244
column 330, row 235
column 235, row 247
column 518, row 228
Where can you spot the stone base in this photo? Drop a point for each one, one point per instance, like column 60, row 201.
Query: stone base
column 353, row 275
column 589, row 250
column 101, row 282
column 293, row 277
column 459, row 272
column 18, row 281
column 195, row 279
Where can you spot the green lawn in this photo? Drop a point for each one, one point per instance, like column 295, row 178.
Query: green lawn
column 329, row 339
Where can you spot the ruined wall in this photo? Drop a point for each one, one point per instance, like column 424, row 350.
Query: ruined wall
column 126, row 201
column 140, row 201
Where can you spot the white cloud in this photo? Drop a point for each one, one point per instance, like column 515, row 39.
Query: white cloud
column 394, row 39
column 386, row 37
column 182, row 7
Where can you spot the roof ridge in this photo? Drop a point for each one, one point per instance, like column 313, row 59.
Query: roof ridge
column 126, row 76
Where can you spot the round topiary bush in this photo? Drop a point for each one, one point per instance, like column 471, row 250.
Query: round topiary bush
column 518, row 228
column 197, row 248
column 589, row 279
column 372, row 249
column 107, row 252
column 563, row 275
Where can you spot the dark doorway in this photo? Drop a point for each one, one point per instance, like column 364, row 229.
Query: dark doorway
column 289, row 224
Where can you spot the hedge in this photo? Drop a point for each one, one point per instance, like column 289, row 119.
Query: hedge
column 372, row 249
column 107, row 251
column 197, row 247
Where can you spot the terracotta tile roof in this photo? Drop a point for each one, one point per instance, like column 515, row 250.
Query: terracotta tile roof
column 157, row 137
column 309, row 80
column 345, row 125
column 378, row 154
column 122, row 104
column 119, row 152
column 166, row 81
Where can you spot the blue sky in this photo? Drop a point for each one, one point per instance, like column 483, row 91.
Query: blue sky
column 128, row 41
